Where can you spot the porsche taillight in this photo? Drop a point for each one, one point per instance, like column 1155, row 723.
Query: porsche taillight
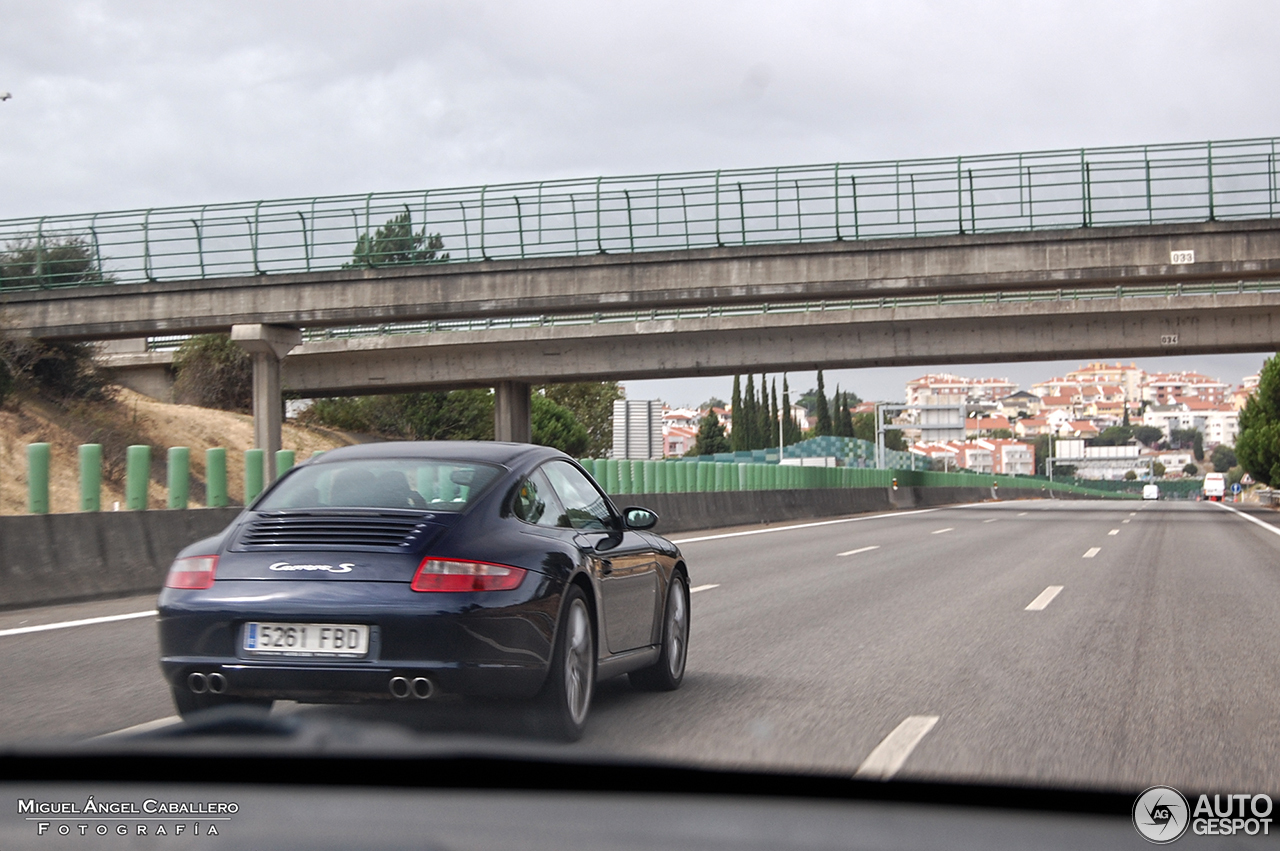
column 194, row 573
column 442, row 574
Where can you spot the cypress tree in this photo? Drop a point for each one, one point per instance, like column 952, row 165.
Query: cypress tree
column 735, row 436
column 845, row 417
column 764, row 430
column 775, row 425
column 823, row 425
column 749, row 414
column 790, row 428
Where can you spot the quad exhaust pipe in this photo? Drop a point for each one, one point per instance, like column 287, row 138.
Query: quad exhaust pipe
column 403, row 687
column 213, row 683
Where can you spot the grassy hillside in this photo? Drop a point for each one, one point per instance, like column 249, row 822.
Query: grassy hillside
column 131, row 418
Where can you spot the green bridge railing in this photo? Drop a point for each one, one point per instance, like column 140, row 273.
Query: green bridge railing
column 1084, row 187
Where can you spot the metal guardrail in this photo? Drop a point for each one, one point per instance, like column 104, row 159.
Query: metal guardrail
column 1083, row 187
column 162, row 343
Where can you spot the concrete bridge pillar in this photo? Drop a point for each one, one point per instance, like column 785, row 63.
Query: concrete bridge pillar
column 268, row 344
column 511, row 412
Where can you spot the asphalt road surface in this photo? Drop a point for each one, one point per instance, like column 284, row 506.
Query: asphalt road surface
column 1116, row 644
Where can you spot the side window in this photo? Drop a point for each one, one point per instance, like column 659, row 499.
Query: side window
column 584, row 506
column 535, row 502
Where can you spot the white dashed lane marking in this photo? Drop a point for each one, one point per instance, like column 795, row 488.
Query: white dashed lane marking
column 695, row 589
column 1114, row 532
column 1045, row 598
column 1091, row 552
column 23, row 630
column 859, row 550
column 890, row 516
column 887, row 758
column 940, row 531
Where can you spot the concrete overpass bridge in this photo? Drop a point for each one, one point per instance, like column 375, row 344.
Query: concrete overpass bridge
column 1025, row 256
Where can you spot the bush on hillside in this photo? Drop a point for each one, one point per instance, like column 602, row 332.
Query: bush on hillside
column 212, row 371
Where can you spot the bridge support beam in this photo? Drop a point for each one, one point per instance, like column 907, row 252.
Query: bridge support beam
column 268, row 344
column 512, row 422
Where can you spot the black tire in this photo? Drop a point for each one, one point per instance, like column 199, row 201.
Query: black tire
column 668, row 672
column 188, row 703
column 565, row 699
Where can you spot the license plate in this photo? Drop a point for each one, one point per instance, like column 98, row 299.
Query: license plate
column 306, row 639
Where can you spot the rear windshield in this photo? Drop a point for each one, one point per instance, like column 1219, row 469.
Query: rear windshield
column 384, row 483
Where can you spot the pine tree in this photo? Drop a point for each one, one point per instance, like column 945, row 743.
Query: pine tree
column 823, row 425
column 735, row 436
column 711, row 437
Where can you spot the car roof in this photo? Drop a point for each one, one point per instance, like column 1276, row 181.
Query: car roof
column 446, row 450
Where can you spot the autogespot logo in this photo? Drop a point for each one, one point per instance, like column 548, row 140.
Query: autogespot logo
column 1160, row 814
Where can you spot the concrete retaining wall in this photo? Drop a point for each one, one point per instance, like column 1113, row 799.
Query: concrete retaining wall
column 59, row 558
column 686, row 512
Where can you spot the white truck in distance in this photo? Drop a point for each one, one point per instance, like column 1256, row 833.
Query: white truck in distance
column 1215, row 486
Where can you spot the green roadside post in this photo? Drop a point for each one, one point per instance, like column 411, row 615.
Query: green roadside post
column 215, row 478
column 179, row 476
column 284, row 461
column 91, row 477
column 718, row 477
column 624, row 477
column 610, row 475
column 137, row 472
column 699, row 483
column 637, row 476
column 38, row 478
column 253, row 473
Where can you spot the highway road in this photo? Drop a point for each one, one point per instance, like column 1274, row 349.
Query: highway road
column 1117, row 644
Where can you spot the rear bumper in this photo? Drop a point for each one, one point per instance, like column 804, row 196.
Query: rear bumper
column 492, row 644
column 331, row 683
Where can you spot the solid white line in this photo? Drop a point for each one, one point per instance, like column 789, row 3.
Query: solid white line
column 888, row 756
column 861, row 550
column 1092, row 551
column 1114, row 532
column 1045, row 598
column 23, row 630
column 1237, row 511
column 940, row 531
column 801, row 526
column 145, row 727
column 698, row 588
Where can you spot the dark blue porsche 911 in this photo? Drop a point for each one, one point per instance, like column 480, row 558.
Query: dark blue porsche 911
column 399, row 571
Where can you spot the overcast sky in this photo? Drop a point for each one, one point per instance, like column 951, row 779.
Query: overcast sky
column 138, row 104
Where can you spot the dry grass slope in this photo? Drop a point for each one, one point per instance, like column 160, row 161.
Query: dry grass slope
column 131, row 418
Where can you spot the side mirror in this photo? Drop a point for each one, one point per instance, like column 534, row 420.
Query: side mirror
column 639, row 518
